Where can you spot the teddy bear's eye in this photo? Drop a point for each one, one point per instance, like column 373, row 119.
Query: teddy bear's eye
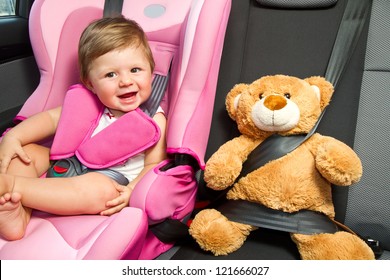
column 261, row 95
column 287, row 95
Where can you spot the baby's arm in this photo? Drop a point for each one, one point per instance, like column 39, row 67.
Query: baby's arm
column 153, row 156
column 31, row 130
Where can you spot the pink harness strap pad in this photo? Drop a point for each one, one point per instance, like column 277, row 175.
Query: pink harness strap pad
column 131, row 134
column 80, row 112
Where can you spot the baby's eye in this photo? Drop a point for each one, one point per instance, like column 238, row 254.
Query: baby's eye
column 110, row 75
column 135, row 70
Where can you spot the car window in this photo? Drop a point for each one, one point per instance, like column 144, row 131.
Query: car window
column 7, row 7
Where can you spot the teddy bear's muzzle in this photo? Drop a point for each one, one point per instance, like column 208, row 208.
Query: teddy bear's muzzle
column 275, row 113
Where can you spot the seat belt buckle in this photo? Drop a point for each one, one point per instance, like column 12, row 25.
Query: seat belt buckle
column 375, row 246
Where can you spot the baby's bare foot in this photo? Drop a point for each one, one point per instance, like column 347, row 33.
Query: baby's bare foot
column 13, row 216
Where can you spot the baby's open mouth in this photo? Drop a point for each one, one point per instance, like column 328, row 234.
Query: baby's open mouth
column 127, row 95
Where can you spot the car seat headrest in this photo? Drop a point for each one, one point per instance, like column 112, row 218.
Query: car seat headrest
column 297, row 4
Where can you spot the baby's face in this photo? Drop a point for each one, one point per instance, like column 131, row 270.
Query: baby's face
column 121, row 79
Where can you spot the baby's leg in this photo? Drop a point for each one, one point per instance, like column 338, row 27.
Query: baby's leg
column 85, row 194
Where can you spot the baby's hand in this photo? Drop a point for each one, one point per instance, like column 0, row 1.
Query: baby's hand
column 10, row 148
column 119, row 202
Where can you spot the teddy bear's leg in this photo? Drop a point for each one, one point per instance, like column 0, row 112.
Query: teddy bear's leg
column 214, row 232
column 338, row 246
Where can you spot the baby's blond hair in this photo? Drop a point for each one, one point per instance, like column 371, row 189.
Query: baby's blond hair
column 107, row 34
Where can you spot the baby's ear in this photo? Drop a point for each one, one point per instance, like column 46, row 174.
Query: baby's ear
column 233, row 98
column 323, row 89
column 88, row 85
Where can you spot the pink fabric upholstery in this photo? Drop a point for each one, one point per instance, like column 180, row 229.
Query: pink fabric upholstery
column 188, row 32
column 164, row 194
column 80, row 237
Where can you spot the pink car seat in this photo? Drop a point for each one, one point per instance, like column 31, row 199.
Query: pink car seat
column 186, row 36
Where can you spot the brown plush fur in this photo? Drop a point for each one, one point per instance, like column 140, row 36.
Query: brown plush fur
column 299, row 180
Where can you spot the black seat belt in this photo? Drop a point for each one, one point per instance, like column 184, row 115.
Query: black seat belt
column 113, row 8
column 304, row 221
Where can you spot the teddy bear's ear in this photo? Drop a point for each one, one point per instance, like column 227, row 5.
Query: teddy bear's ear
column 232, row 99
column 323, row 89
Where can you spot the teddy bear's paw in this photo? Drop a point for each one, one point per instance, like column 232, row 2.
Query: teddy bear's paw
column 219, row 176
column 215, row 233
column 338, row 246
column 339, row 164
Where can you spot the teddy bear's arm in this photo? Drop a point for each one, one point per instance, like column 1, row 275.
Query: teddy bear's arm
column 225, row 164
column 337, row 162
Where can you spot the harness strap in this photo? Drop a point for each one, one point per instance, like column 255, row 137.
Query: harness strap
column 112, row 8
column 159, row 84
column 70, row 167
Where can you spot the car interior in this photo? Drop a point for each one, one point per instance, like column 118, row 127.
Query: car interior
column 246, row 39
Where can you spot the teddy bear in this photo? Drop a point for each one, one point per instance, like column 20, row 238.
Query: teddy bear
column 299, row 180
